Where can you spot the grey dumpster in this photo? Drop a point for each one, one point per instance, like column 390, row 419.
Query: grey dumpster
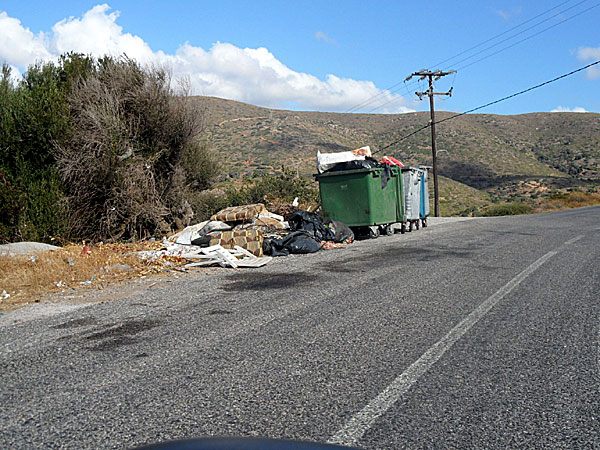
column 411, row 179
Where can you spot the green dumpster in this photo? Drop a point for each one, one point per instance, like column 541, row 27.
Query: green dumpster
column 359, row 198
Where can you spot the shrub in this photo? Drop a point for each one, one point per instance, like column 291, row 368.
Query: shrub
column 11, row 205
column 272, row 190
column 34, row 115
column 281, row 188
column 507, row 209
column 206, row 203
column 134, row 156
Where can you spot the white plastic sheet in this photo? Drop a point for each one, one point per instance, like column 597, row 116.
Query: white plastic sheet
column 326, row 161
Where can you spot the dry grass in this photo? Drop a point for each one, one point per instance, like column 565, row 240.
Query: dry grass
column 28, row 278
column 568, row 200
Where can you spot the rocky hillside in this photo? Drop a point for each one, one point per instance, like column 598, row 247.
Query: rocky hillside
column 492, row 153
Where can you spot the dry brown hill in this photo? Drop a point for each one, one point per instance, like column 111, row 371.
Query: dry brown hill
column 480, row 150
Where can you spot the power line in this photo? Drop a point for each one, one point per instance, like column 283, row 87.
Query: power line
column 394, row 88
column 523, row 31
column 524, row 39
column 508, row 46
column 489, row 104
column 431, row 76
column 509, row 30
column 520, row 92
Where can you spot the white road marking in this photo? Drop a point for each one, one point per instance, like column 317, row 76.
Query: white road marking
column 571, row 241
column 360, row 423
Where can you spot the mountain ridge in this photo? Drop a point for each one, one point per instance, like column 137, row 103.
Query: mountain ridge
column 488, row 152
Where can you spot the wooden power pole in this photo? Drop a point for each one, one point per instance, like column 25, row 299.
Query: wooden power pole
column 432, row 75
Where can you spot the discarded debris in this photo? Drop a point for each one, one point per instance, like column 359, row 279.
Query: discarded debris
column 391, row 161
column 331, row 245
column 25, row 248
column 250, row 240
column 298, row 242
column 236, row 257
column 196, row 256
column 240, row 213
column 326, row 161
column 200, row 229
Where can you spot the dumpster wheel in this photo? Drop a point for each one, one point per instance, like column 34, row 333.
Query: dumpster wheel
column 374, row 232
column 424, row 222
column 389, row 229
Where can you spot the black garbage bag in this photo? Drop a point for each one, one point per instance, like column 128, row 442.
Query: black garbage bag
column 341, row 232
column 202, row 241
column 385, row 176
column 311, row 223
column 298, row 242
column 367, row 163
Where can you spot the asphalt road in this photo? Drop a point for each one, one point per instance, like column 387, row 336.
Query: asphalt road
column 475, row 334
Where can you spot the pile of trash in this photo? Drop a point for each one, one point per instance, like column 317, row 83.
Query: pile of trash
column 361, row 158
column 249, row 236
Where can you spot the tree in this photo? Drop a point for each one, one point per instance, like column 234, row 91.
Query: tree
column 134, row 152
column 34, row 116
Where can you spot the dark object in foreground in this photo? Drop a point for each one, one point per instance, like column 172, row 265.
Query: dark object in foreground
column 298, row 242
column 220, row 443
column 311, row 223
column 308, row 235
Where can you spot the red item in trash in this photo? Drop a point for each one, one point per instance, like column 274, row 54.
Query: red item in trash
column 329, row 245
column 390, row 160
column 86, row 250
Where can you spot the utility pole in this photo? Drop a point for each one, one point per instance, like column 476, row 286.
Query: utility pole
column 432, row 75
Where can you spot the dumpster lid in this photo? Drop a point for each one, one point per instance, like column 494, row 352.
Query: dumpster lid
column 349, row 172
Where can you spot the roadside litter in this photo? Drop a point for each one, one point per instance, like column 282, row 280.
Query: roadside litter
column 309, row 235
column 234, row 237
column 358, row 193
column 25, row 248
column 192, row 232
column 326, row 161
column 248, row 236
column 298, row 242
column 186, row 256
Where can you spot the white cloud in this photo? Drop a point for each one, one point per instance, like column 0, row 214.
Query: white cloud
column 590, row 54
column 576, row 109
column 252, row 75
column 322, row 36
column 506, row 15
column 98, row 34
column 18, row 45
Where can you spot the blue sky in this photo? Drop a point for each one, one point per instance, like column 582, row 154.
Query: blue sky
column 327, row 55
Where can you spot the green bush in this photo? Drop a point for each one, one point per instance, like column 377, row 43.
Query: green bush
column 281, row 188
column 11, row 206
column 269, row 189
column 507, row 209
column 134, row 156
column 206, row 203
column 97, row 149
column 34, row 117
